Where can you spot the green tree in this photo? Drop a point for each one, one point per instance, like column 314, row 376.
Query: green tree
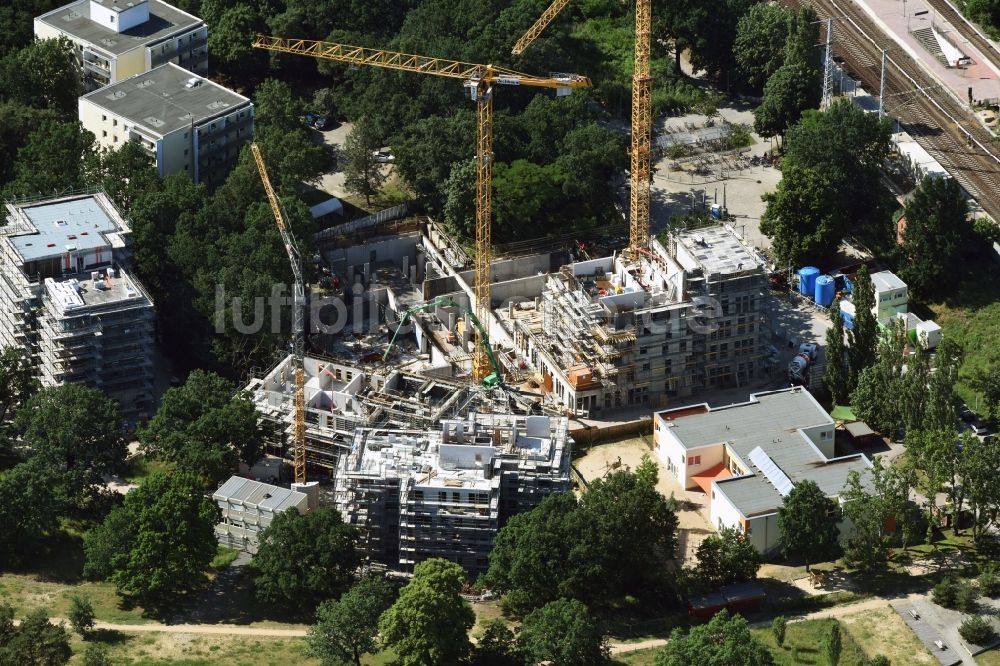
column 460, row 199
column 945, row 593
column 51, row 160
column 967, row 597
column 987, row 382
column 940, row 409
column 870, row 505
column 807, row 523
column 158, row 542
column 363, row 174
column 778, row 625
column 347, row 628
column 724, row 640
column 727, row 557
column 989, row 580
column 837, row 374
column 205, row 426
column 97, row 654
column 562, row 633
column 37, row 642
column 17, row 122
column 864, row 336
column 17, row 379
column 793, row 88
column 81, row 615
column 430, row 621
column 833, row 644
column 648, row 470
column 976, row 630
column 124, row 173
column 305, row 559
column 937, row 239
column 759, row 48
column 28, row 508
column 231, row 51
column 43, row 75
column 77, row 430
column 497, row 647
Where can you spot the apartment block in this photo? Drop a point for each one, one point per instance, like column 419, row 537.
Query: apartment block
column 643, row 329
column 115, row 40
column 67, row 298
column 248, row 507
column 341, row 397
column 444, row 493
column 747, row 457
column 186, row 122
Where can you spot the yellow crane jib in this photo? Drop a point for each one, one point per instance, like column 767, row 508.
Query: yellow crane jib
column 479, row 79
column 298, row 319
column 535, row 30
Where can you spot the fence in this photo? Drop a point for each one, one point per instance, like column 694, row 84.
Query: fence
column 372, row 220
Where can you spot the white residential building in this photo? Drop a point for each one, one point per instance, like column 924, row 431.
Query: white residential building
column 891, row 295
column 66, row 297
column 445, row 493
column 748, row 456
column 248, row 507
column 187, row 123
column 116, row 39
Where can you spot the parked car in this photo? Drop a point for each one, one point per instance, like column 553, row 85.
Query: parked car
column 981, row 430
column 315, row 121
column 383, row 157
column 966, row 414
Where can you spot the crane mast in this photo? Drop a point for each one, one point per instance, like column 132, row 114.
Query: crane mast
column 480, row 80
column 642, row 125
column 298, row 319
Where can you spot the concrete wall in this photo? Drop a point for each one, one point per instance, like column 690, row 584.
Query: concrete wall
column 763, row 532
column 128, row 64
column 176, row 153
column 822, row 438
column 510, row 269
column 723, row 512
column 390, row 249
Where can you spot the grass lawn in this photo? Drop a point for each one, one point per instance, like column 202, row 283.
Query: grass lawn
column 392, row 194
column 140, row 468
column 804, row 644
column 989, row 658
column 884, row 632
column 148, row 648
column 224, row 557
column 637, row 658
column 971, row 316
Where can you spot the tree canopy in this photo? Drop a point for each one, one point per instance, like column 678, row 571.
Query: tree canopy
column 305, row 559
column 724, row 640
column 430, row 621
column 807, row 523
column 206, row 426
column 347, row 628
column 727, row 557
column 563, row 632
column 759, row 47
column 18, row 381
column 614, row 541
column 159, row 542
column 35, row 641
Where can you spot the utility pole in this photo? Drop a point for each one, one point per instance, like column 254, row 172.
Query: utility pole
column 828, row 65
column 881, row 89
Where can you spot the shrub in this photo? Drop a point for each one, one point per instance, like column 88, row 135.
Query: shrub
column 81, row 615
column 966, row 597
column 976, row 630
column 879, row 660
column 945, row 593
column 778, row 629
column 989, row 581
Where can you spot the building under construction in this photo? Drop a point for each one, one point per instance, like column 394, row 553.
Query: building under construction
column 341, row 397
column 618, row 331
column 67, row 299
column 445, row 492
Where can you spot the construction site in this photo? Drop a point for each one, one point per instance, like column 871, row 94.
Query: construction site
column 444, row 492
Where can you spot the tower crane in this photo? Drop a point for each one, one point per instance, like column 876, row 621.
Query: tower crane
column 479, row 79
column 642, row 114
column 542, row 23
column 298, row 319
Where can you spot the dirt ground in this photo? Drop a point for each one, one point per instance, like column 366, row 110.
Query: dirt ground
column 692, row 510
column 882, row 631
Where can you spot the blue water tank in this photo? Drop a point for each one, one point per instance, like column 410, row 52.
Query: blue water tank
column 825, row 290
column 807, row 280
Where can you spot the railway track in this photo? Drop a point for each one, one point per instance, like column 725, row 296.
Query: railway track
column 930, row 113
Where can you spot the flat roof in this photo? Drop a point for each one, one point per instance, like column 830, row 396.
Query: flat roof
column 886, row 280
column 82, row 223
column 718, row 250
column 255, row 493
column 79, row 291
column 772, row 421
column 164, row 20
column 161, row 102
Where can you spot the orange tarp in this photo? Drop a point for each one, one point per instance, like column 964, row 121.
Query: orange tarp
column 704, row 479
